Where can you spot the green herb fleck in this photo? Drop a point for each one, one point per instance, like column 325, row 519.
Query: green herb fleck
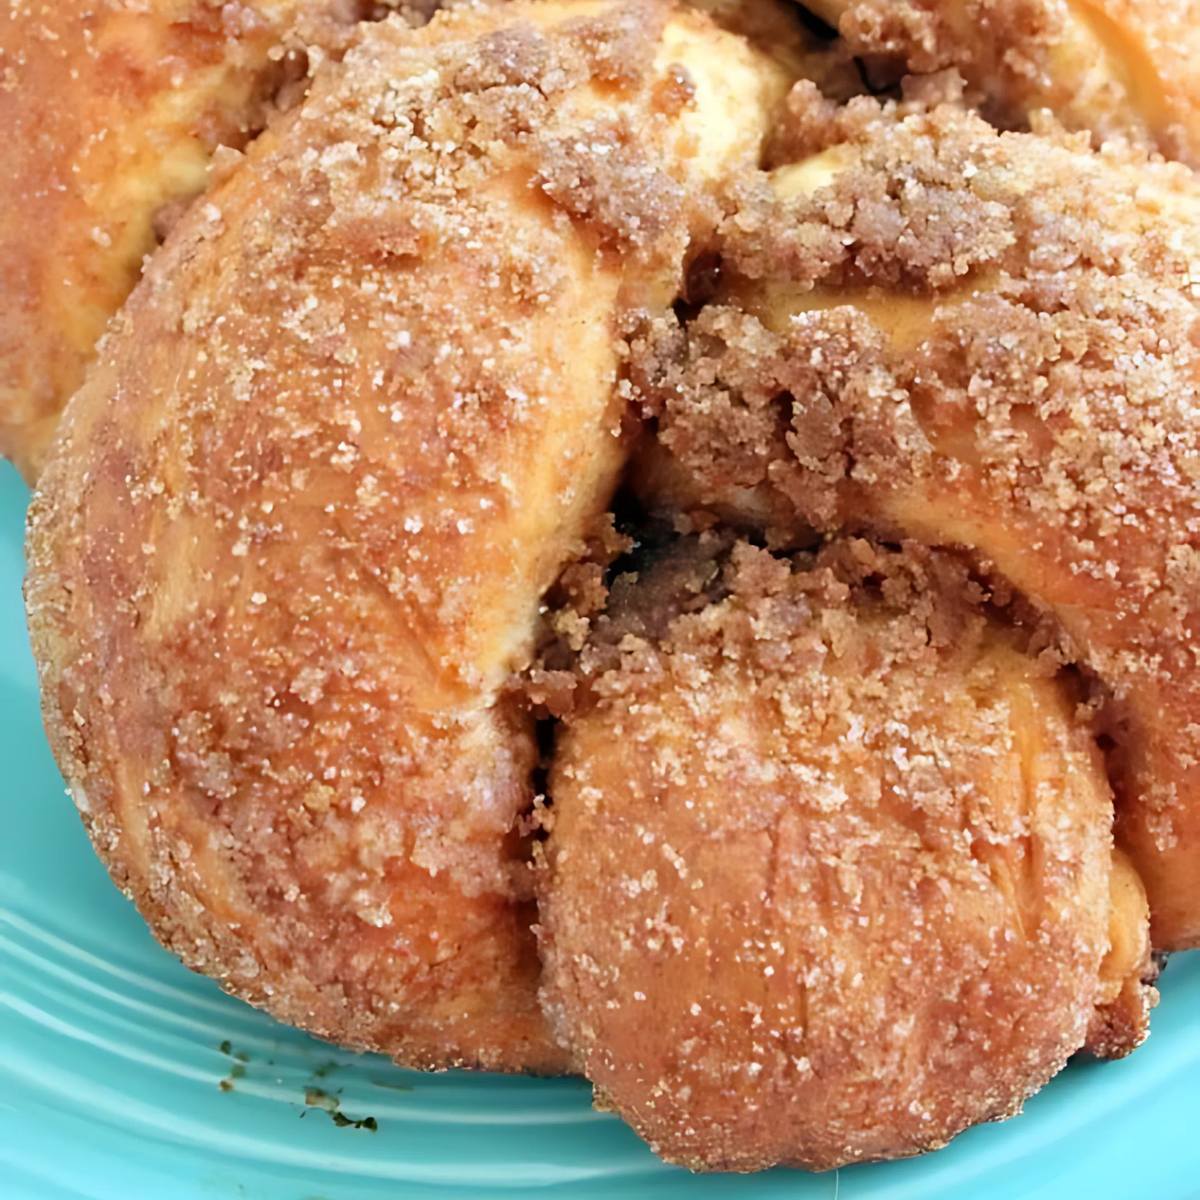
column 317, row 1098
column 226, row 1047
column 225, row 1085
column 342, row 1121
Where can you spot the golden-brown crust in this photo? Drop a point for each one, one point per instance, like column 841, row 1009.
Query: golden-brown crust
column 1116, row 68
column 1121, row 1021
column 827, row 876
column 987, row 341
column 111, row 112
column 342, row 438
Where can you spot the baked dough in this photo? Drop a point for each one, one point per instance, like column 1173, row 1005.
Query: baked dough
column 984, row 341
column 1116, row 68
column 590, row 547
column 828, row 873
column 112, row 111
column 341, row 439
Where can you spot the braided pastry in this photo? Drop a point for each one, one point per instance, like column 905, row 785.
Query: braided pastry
column 591, row 547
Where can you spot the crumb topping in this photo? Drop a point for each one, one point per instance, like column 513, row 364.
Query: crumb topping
column 1007, row 363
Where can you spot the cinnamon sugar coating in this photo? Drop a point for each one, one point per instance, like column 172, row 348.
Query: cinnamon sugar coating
column 345, row 433
column 988, row 341
column 828, row 871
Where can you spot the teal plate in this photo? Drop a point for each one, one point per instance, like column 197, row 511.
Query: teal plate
column 125, row 1077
